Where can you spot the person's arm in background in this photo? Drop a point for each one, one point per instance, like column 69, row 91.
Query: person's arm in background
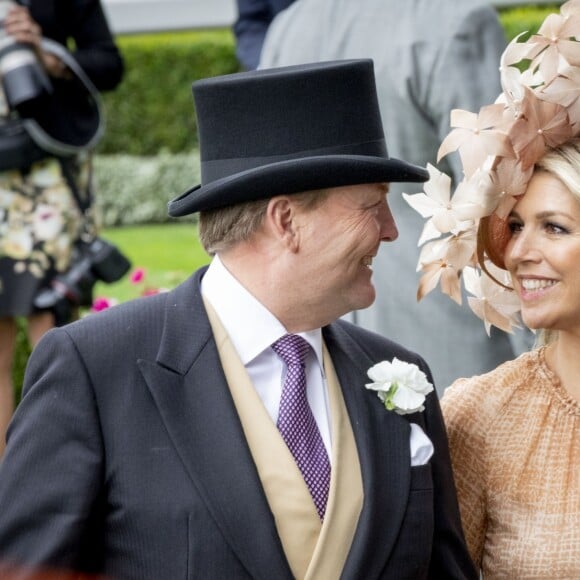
column 254, row 17
column 85, row 23
column 95, row 50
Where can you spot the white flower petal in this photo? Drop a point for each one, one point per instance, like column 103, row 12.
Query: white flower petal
column 408, row 400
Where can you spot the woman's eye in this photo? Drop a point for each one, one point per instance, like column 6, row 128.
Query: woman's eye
column 555, row 228
column 514, row 226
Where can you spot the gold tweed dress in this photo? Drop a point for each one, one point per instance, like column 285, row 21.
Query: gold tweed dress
column 514, row 435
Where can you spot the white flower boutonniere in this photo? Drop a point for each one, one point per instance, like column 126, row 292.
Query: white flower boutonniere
column 401, row 386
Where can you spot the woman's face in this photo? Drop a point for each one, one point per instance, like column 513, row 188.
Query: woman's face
column 543, row 254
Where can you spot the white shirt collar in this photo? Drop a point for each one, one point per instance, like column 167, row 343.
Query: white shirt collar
column 251, row 327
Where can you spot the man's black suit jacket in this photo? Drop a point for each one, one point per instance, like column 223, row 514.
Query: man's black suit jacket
column 126, row 457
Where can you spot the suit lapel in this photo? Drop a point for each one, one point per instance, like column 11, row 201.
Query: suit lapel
column 382, row 440
column 190, row 390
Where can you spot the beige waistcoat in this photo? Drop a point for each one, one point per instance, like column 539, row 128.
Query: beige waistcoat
column 313, row 550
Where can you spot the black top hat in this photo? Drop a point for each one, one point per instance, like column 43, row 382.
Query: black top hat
column 286, row 130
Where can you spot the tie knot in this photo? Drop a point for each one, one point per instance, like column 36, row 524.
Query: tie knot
column 292, row 349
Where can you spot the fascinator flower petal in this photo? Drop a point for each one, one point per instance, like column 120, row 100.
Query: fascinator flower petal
column 436, row 204
column 442, row 261
column 538, row 109
column 565, row 90
column 540, row 125
column 509, row 182
column 430, row 232
column 495, row 305
column 474, row 137
column 430, row 279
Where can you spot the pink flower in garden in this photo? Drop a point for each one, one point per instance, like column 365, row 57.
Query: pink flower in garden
column 101, row 303
column 137, row 276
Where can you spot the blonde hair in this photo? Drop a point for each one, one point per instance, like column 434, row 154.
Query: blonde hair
column 564, row 163
column 222, row 228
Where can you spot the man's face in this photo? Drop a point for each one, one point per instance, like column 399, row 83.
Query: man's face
column 339, row 240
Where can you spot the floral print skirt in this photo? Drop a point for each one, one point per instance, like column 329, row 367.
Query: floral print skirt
column 39, row 221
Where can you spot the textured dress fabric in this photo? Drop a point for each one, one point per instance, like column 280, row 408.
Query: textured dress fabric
column 514, row 435
column 39, row 217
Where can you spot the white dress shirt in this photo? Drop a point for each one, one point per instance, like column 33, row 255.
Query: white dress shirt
column 252, row 329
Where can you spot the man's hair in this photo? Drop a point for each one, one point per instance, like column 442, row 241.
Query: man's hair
column 222, row 228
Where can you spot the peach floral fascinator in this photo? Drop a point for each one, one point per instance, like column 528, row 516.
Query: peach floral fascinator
column 466, row 232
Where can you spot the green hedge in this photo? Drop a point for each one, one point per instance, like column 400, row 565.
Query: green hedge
column 152, row 109
column 135, row 190
column 525, row 19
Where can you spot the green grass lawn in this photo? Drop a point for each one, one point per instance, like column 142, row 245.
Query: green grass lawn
column 168, row 253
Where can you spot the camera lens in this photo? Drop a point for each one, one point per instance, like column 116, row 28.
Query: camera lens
column 24, row 79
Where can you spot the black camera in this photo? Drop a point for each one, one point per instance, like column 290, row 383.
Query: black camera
column 95, row 260
column 24, row 79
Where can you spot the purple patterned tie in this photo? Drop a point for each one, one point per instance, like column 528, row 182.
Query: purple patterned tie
column 296, row 422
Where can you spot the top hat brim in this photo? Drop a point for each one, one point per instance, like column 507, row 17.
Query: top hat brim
column 294, row 176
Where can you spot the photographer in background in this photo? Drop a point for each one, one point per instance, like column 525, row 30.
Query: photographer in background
column 40, row 197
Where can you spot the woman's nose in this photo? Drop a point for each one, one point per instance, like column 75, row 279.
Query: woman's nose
column 523, row 246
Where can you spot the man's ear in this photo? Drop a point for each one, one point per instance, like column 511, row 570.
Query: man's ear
column 281, row 220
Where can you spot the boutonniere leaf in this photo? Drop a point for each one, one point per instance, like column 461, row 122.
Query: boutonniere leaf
column 400, row 385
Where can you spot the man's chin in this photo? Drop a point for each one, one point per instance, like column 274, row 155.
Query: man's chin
column 365, row 300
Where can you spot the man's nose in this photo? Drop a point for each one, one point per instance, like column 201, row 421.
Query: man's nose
column 389, row 231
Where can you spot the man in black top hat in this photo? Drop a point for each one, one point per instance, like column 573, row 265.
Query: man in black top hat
column 230, row 428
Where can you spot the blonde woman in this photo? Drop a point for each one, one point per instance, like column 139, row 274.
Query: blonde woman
column 515, row 432
column 512, row 236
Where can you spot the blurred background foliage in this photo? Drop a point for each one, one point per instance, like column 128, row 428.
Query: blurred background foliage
column 152, row 110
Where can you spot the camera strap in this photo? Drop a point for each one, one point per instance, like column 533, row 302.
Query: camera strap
column 72, row 119
column 70, row 171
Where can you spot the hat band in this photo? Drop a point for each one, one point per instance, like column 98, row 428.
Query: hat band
column 219, row 168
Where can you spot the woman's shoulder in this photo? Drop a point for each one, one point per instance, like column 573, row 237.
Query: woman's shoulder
column 482, row 397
